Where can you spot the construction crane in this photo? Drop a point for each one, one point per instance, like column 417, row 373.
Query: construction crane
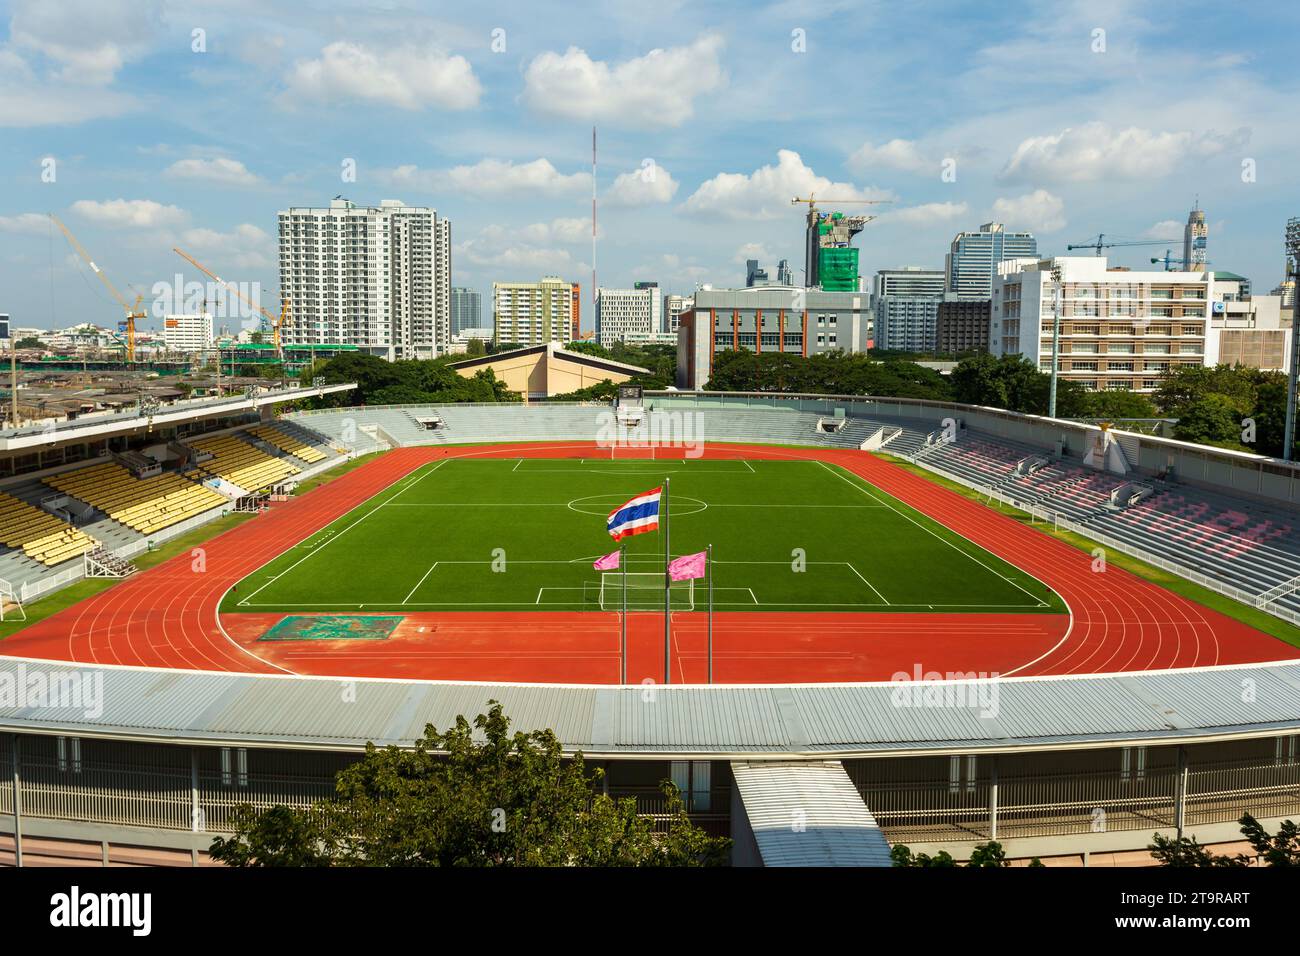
column 132, row 311
column 1101, row 243
column 1168, row 260
column 812, row 206
column 275, row 322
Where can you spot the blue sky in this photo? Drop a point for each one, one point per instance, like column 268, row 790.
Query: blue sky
column 1068, row 119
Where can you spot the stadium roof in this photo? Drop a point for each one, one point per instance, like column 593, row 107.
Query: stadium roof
column 806, row 813
column 815, row 720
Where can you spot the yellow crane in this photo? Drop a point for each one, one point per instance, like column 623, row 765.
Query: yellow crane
column 285, row 317
column 812, row 202
column 132, row 311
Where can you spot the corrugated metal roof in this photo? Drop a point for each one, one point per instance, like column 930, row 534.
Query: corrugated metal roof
column 776, row 720
column 808, row 814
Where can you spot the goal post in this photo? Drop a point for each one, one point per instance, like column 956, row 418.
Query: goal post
column 645, row 592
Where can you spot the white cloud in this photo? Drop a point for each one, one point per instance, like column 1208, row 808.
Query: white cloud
column 26, row 224
column 900, row 154
column 752, row 250
column 492, row 177
column 766, row 192
column 658, row 89
column 564, row 231
column 651, row 183
column 1164, row 229
column 89, row 40
column 514, row 261
column 1038, row 211
column 408, row 78
column 135, row 213
column 927, row 213
column 229, row 172
column 244, row 247
column 1095, row 151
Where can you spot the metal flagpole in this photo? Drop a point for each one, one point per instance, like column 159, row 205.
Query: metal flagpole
column 667, row 586
column 708, row 557
column 622, row 653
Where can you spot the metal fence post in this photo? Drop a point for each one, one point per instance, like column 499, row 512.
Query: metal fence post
column 18, row 806
column 993, row 799
column 1180, row 793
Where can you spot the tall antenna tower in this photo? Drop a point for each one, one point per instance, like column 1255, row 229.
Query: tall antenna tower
column 593, row 227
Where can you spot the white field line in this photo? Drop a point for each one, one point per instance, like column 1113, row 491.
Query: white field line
column 931, row 532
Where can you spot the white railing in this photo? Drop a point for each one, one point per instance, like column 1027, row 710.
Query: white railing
column 1249, row 598
column 1280, row 590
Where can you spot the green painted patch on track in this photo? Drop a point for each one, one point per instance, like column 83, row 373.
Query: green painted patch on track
column 333, row 627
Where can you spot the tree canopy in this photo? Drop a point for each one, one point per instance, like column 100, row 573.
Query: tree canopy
column 380, row 382
column 473, row 795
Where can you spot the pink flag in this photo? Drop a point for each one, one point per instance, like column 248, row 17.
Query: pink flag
column 608, row 563
column 687, row 566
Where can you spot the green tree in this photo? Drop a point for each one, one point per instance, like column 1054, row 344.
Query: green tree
column 502, row 800
column 1280, row 849
column 989, row 855
column 1117, row 405
column 1211, row 419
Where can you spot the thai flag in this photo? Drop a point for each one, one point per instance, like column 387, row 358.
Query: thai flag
column 637, row 516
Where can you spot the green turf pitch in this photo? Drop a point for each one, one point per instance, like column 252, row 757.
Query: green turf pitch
column 520, row 535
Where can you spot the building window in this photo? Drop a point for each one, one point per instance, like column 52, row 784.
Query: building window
column 694, row 780
column 234, row 767
column 69, row 754
column 1133, row 763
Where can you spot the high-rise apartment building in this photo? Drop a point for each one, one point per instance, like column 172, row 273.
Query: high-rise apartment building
column 973, row 259
column 534, row 313
column 905, row 305
column 377, row 277
column 466, row 310
column 634, row 316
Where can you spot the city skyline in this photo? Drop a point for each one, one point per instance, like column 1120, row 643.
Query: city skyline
column 191, row 125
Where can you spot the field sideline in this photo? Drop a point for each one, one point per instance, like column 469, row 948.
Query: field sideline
column 520, row 535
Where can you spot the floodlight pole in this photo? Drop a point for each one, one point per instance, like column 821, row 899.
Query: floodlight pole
column 1056, row 338
column 668, row 581
column 1293, row 263
column 709, row 561
column 622, row 652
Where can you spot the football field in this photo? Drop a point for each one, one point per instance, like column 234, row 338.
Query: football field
column 521, row 535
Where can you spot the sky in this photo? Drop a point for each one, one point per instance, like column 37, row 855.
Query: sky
column 146, row 125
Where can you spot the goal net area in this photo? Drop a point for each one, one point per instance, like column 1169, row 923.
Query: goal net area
column 645, row 592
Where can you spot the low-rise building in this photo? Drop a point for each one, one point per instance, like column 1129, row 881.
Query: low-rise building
column 770, row 318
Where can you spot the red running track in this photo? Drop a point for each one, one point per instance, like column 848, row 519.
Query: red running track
column 168, row 616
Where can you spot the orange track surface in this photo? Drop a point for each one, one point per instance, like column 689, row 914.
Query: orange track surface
column 167, row 616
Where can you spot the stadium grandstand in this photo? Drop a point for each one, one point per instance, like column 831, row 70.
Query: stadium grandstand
column 1096, row 707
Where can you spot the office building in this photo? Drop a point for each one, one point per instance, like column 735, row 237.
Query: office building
column 187, row 333
column 466, row 310
column 674, row 306
column 377, row 277
column 634, row 316
column 905, row 308
column 1196, row 236
column 534, row 313
column 1119, row 329
column 783, row 274
column 754, row 274
column 962, row 325
column 973, row 258
column 768, row 318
